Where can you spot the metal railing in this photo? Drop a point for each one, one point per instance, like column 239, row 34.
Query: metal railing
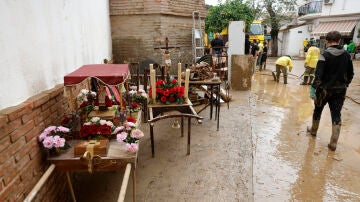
column 311, row 7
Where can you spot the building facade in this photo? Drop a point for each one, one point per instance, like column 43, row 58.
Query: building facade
column 318, row 17
column 139, row 29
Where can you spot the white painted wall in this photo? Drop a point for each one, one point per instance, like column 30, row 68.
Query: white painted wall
column 236, row 41
column 43, row 40
column 292, row 41
column 341, row 7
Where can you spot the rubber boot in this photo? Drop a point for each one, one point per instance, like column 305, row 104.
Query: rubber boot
column 305, row 80
column 274, row 76
column 334, row 137
column 314, row 128
column 278, row 77
column 310, row 81
column 285, row 79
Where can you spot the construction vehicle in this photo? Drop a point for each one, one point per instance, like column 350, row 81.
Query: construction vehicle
column 256, row 31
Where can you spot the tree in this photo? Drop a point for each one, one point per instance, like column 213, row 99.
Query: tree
column 278, row 13
column 219, row 16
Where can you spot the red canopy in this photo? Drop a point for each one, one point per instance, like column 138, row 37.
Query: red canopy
column 111, row 74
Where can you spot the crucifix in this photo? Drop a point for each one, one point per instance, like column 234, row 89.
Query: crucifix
column 167, row 58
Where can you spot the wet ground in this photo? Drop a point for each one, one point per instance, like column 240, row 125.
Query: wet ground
column 261, row 153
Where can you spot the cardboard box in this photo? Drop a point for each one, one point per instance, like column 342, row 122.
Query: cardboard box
column 95, row 147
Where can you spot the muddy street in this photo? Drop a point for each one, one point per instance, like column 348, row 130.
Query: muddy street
column 288, row 163
column 260, row 153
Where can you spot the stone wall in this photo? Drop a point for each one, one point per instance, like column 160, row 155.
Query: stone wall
column 139, row 29
column 22, row 161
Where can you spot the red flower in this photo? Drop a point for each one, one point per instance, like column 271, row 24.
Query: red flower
column 65, row 121
column 84, row 104
column 104, row 130
column 174, row 81
column 171, row 99
column 163, row 99
column 135, row 105
column 166, row 93
column 182, row 89
column 159, row 82
column 130, row 119
column 180, row 95
column 85, row 131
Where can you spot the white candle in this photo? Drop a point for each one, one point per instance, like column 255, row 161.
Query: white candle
column 151, row 67
column 179, row 74
column 153, row 85
column 187, row 76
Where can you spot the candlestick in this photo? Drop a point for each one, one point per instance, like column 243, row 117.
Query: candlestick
column 153, row 85
column 179, row 74
column 151, row 67
column 187, row 76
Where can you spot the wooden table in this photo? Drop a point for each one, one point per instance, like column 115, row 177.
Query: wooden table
column 214, row 86
column 156, row 113
column 117, row 159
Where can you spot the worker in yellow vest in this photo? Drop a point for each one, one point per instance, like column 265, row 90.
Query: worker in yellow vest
column 281, row 65
column 311, row 60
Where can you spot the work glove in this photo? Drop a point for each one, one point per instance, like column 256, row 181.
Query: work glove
column 312, row 92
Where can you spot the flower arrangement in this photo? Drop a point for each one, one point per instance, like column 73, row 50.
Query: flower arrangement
column 86, row 99
column 129, row 134
column 95, row 128
column 169, row 92
column 138, row 96
column 52, row 138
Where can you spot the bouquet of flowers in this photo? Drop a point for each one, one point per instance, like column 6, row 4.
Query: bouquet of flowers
column 129, row 134
column 52, row 138
column 95, row 128
column 169, row 92
column 86, row 99
column 138, row 96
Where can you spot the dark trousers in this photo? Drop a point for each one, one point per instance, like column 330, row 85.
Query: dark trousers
column 335, row 98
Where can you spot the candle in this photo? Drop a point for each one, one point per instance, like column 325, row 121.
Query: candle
column 153, row 85
column 187, row 75
column 151, row 67
column 179, row 74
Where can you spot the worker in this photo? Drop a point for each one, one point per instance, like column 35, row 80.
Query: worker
column 281, row 65
column 311, row 60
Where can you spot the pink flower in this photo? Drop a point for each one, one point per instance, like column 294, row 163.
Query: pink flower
column 42, row 136
column 121, row 136
column 118, row 129
column 49, row 129
column 137, row 134
column 133, row 147
column 58, row 141
column 102, row 122
column 63, row 129
column 129, row 124
column 48, row 142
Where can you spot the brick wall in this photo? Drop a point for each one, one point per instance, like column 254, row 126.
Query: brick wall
column 139, row 29
column 22, row 161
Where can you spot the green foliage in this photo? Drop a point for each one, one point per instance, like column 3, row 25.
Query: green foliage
column 219, row 16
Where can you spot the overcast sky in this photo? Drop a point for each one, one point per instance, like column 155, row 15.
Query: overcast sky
column 212, row 2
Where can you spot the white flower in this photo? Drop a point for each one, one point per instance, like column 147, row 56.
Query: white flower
column 93, row 94
column 95, row 119
column 132, row 92
column 87, row 123
column 141, row 91
column 102, row 122
column 144, row 95
column 109, row 123
column 84, row 91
